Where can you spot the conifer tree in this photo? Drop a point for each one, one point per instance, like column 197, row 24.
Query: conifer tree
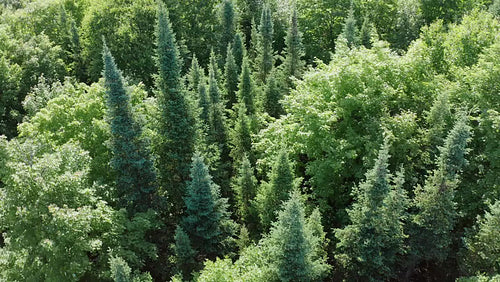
column 204, row 105
column 76, row 49
column 228, row 28
column 135, row 176
column 241, row 137
column 369, row 245
column 272, row 98
column 272, row 194
column 265, row 54
column 295, row 257
column 246, row 88
column 436, row 209
column 365, row 34
column 184, row 254
column 245, row 186
column 195, row 75
column 207, row 221
column 231, row 75
column 350, row 31
column 293, row 64
column 177, row 125
column 238, row 51
column 254, row 41
column 120, row 271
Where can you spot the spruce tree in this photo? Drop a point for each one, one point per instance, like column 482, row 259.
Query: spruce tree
column 436, row 209
column 244, row 186
column 204, row 106
column 350, row 31
column 135, row 176
column 293, row 64
column 76, row 49
column 254, row 41
column 368, row 247
column 184, row 254
column 272, row 98
column 120, row 271
column 207, row 221
column 231, row 75
column 365, row 33
column 294, row 244
column 241, row 137
column 228, row 26
column 246, row 88
column 265, row 54
column 238, row 51
column 195, row 75
column 272, row 194
column 177, row 125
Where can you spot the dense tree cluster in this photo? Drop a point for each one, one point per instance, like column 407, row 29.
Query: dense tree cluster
column 246, row 140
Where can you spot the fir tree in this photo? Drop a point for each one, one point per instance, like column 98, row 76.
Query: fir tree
column 265, row 54
column 436, row 209
column 246, row 88
column 293, row 63
column 228, row 29
column 254, row 41
column 206, row 219
column 231, row 74
column 238, row 51
column 272, row 98
column 365, row 34
column 120, row 271
column 245, row 188
column 241, row 138
column 368, row 247
column 204, row 105
column 135, row 176
column 76, row 49
column 295, row 257
column 184, row 254
column 271, row 195
column 177, row 125
column 195, row 75
column 350, row 31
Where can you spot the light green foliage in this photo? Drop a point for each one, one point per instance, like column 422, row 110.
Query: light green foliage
column 366, row 33
column 176, row 122
column 368, row 247
column 128, row 27
column 350, row 32
column 135, row 175
column 272, row 194
column 408, row 23
column 120, row 271
column 482, row 245
column 206, row 219
column 480, row 278
column 195, row 76
column 265, row 53
column 495, row 8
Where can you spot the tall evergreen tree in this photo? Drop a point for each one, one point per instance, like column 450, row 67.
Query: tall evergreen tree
column 436, row 209
column 135, row 176
column 244, row 186
column 253, row 42
column 231, row 75
column 272, row 194
column 204, row 106
column 241, row 137
column 177, row 125
column 295, row 244
column 350, row 31
column 76, row 49
column 265, row 54
column 184, row 254
column 246, row 88
column 365, row 33
column 368, row 247
column 228, row 26
column 195, row 75
column 293, row 64
column 272, row 98
column 238, row 51
column 120, row 271
column 207, row 221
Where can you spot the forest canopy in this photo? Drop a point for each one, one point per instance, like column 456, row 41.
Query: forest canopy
column 250, row 140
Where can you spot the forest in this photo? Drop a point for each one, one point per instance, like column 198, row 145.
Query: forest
column 250, row 140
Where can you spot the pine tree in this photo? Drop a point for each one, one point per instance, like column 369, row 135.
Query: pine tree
column 293, row 64
column 246, row 88
column 135, row 176
column 265, row 54
column 368, row 247
column 177, row 125
column 228, row 27
column 272, row 98
column 238, row 51
column 245, row 188
column 271, row 195
column 241, row 138
column 184, row 254
column 436, row 209
column 120, row 271
column 295, row 257
column 231, row 74
column 206, row 220
column 350, row 31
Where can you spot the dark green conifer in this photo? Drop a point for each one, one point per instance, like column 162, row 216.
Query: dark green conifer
column 365, row 33
column 265, row 54
column 228, row 26
column 369, row 246
column 177, row 125
column 206, row 220
column 293, row 64
column 350, row 31
column 254, row 41
column 231, row 75
column 204, row 105
column 271, row 195
column 195, row 75
column 135, row 176
column 246, row 88
column 238, row 51
column 272, row 98
column 184, row 254
column 245, row 186
column 241, row 137
column 76, row 49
